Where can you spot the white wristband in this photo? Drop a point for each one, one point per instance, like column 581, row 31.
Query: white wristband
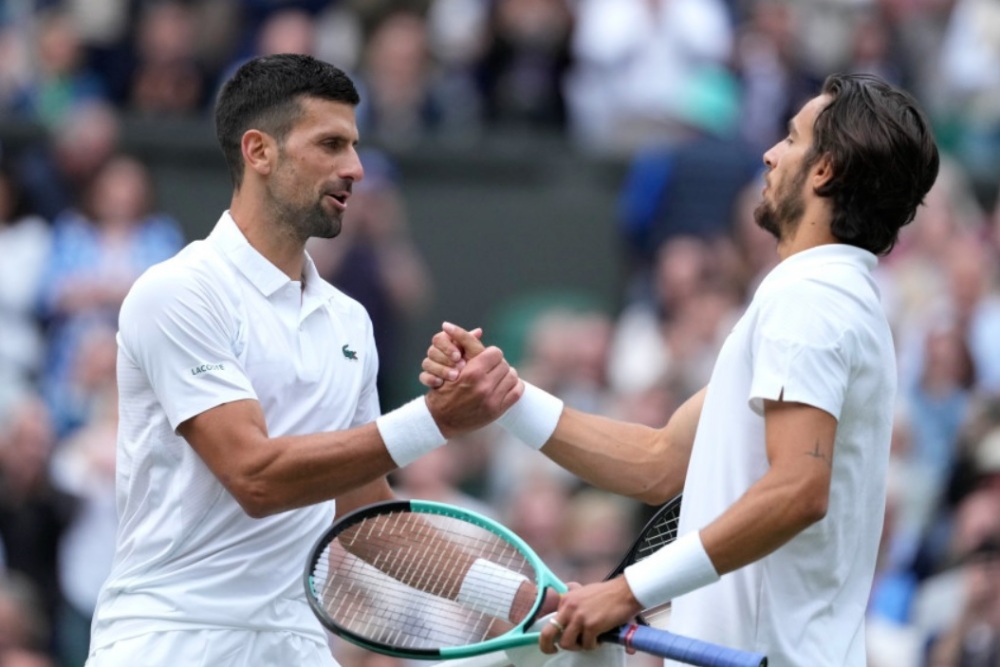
column 534, row 417
column 676, row 569
column 409, row 432
column 490, row 588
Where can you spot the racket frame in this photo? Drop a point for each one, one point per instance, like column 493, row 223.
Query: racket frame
column 515, row 636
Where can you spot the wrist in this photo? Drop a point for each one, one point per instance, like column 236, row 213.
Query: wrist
column 491, row 589
column 409, row 432
column 678, row 568
column 533, row 419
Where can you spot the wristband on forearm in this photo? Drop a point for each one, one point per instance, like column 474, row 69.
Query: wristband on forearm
column 409, row 432
column 534, row 417
column 676, row 569
column 490, row 588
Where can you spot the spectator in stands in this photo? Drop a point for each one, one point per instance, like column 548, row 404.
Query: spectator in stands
column 773, row 77
column 56, row 171
column 526, row 58
column 24, row 245
column 972, row 635
column 33, row 514
column 638, row 64
column 84, row 467
column 98, row 250
column 62, row 78
column 168, row 79
column 402, row 100
column 23, row 627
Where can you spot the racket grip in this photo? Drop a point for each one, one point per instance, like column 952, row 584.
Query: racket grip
column 686, row 649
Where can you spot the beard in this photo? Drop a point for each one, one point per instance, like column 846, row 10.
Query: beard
column 305, row 220
column 782, row 217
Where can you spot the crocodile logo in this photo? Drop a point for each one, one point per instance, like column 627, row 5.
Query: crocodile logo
column 348, row 353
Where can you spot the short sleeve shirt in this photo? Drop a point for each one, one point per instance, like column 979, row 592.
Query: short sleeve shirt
column 814, row 333
column 219, row 323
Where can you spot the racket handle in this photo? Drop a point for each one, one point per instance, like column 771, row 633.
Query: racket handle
column 686, row 649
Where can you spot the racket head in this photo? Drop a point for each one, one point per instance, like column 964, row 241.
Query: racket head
column 659, row 531
column 387, row 577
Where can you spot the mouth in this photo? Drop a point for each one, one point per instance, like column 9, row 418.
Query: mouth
column 339, row 199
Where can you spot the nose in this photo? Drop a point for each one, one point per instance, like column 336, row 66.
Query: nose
column 770, row 157
column 353, row 170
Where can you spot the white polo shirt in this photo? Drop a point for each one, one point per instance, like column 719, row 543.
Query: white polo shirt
column 220, row 323
column 815, row 333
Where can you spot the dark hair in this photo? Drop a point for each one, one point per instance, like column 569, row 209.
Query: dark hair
column 265, row 94
column 884, row 159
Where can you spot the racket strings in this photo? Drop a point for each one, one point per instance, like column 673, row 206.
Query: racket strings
column 661, row 532
column 395, row 578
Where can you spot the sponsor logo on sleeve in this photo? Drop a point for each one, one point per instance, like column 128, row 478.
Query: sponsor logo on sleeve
column 205, row 368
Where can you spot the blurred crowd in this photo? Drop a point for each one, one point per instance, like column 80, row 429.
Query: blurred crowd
column 688, row 92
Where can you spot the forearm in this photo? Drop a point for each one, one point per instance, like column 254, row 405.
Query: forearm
column 769, row 514
column 630, row 459
column 296, row 471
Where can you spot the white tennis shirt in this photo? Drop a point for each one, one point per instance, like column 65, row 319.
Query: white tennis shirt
column 816, row 333
column 220, row 323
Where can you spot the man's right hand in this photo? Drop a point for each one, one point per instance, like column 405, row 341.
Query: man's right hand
column 450, row 349
column 481, row 384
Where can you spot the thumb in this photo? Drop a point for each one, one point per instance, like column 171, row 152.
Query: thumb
column 469, row 342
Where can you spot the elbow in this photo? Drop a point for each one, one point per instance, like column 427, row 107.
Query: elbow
column 812, row 508
column 658, row 490
column 253, row 498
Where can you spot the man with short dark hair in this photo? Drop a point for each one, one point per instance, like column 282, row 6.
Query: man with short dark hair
column 247, row 397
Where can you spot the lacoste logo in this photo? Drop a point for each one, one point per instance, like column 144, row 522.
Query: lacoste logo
column 349, row 354
column 204, row 368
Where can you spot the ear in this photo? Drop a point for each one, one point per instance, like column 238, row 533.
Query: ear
column 822, row 171
column 259, row 151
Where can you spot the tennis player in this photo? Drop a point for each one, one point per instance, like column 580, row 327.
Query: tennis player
column 782, row 458
column 248, row 399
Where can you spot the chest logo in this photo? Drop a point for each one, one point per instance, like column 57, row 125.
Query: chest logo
column 349, row 354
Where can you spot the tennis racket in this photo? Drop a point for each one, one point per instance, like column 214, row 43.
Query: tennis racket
column 424, row 580
column 659, row 531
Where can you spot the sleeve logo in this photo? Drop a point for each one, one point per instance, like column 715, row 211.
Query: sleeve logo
column 349, row 354
column 204, row 368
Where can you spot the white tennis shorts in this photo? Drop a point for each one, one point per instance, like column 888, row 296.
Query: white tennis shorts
column 213, row 648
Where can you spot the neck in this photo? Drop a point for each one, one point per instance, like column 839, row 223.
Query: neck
column 268, row 238
column 813, row 230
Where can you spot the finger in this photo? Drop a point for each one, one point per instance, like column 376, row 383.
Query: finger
column 430, row 381
column 443, row 370
column 447, row 346
column 443, row 357
column 569, row 640
column 466, row 340
column 588, row 640
column 549, row 636
column 510, row 390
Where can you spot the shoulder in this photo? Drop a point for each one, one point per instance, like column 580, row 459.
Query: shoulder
column 194, row 274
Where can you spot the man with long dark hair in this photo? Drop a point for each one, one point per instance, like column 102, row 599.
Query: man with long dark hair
column 782, row 458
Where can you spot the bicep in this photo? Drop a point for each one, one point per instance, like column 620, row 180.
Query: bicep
column 800, row 445
column 230, row 438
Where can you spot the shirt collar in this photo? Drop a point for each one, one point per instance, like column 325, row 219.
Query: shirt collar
column 259, row 270
column 827, row 254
